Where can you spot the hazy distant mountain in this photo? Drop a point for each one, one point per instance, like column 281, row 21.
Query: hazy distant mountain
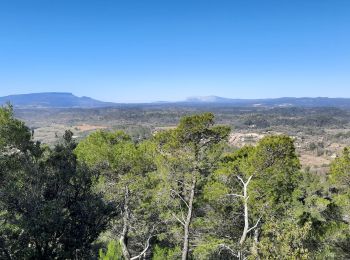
column 68, row 100
column 211, row 99
column 273, row 102
column 52, row 100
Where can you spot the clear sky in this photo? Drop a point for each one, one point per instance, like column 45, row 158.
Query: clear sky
column 145, row 50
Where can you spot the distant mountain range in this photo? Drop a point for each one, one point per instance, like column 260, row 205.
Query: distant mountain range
column 53, row 100
column 68, row 100
column 274, row 102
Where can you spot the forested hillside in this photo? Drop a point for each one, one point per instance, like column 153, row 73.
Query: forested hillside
column 182, row 193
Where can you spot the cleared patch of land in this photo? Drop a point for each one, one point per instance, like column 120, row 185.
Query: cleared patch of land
column 86, row 127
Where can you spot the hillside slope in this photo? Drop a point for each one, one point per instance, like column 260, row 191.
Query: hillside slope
column 52, row 100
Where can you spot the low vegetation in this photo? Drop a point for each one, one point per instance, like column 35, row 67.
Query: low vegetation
column 180, row 193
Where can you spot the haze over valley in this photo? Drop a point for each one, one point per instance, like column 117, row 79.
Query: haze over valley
column 320, row 126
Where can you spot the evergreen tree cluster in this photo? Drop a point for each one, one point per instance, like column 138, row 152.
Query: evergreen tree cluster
column 183, row 194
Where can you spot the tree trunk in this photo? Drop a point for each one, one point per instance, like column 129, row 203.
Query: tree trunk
column 246, row 223
column 124, row 236
column 254, row 249
column 246, row 218
column 188, row 220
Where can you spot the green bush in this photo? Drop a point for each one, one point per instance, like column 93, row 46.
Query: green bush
column 114, row 251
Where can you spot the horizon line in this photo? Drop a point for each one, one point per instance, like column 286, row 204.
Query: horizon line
column 186, row 99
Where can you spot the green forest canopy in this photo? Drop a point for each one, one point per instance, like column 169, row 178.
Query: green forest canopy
column 184, row 193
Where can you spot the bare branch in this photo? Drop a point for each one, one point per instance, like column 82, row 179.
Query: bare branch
column 250, row 177
column 144, row 250
column 176, row 193
column 182, row 223
column 241, row 180
column 256, row 224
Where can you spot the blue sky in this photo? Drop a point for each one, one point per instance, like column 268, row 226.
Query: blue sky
column 145, row 50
